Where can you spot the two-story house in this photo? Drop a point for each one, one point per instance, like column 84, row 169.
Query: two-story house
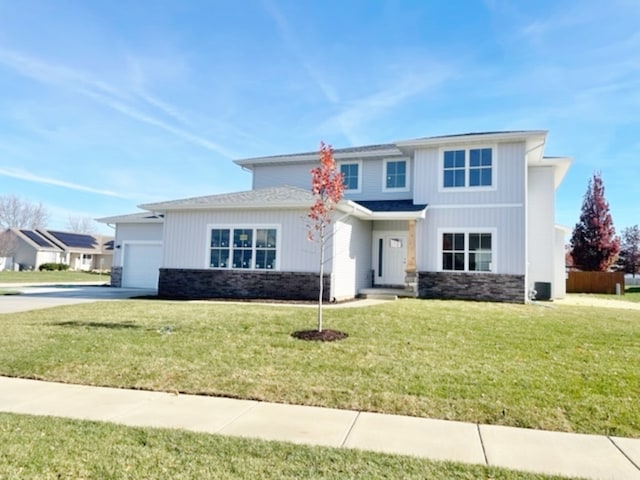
column 460, row 217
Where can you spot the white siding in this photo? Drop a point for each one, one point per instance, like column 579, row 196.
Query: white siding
column 509, row 241
column 186, row 235
column 541, row 225
column 295, row 175
column 299, row 175
column 509, row 165
column 351, row 257
column 136, row 232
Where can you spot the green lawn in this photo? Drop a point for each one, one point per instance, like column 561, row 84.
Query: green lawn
column 50, row 277
column 559, row 368
column 631, row 294
column 49, row 448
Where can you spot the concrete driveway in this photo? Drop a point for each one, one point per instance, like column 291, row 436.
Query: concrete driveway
column 34, row 297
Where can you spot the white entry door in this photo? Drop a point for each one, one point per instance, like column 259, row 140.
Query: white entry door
column 389, row 258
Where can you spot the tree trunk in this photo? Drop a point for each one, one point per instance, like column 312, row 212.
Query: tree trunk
column 321, row 279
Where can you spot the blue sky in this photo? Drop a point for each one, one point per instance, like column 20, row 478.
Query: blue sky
column 106, row 105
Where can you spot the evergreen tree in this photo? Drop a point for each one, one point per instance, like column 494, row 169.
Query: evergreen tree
column 594, row 245
column 630, row 250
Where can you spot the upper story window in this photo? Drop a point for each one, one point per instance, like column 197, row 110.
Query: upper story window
column 467, row 251
column 243, row 248
column 468, row 168
column 351, row 173
column 396, row 175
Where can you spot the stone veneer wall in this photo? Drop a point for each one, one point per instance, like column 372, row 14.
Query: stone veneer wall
column 116, row 277
column 185, row 283
column 472, row 286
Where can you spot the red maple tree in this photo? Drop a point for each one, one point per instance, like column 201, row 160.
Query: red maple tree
column 594, row 245
column 327, row 186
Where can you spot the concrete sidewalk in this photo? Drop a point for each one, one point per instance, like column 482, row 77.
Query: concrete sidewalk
column 588, row 456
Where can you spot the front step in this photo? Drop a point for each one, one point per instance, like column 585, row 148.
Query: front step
column 385, row 293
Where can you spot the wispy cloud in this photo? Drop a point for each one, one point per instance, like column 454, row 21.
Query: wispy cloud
column 117, row 99
column 30, row 177
column 408, row 84
column 293, row 45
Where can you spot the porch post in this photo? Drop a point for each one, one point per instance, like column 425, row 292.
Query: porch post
column 411, row 277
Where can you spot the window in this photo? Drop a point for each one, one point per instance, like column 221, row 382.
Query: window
column 467, row 252
column 243, row 248
column 395, row 175
column 454, row 168
column 351, row 175
column 460, row 173
column 480, row 167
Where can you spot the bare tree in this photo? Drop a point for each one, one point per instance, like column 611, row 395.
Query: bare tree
column 16, row 212
column 81, row 224
column 7, row 243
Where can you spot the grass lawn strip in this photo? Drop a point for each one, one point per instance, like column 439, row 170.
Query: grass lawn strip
column 52, row 277
column 560, row 368
column 51, row 448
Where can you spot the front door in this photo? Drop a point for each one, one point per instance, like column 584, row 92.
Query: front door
column 389, row 258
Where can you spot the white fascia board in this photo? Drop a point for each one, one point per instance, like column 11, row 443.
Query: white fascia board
column 560, row 166
column 420, row 214
column 468, row 139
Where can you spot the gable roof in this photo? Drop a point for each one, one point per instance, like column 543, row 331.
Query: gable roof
column 59, row 241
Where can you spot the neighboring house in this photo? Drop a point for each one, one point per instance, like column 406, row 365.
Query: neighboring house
column 462, row 217
column 32, row 248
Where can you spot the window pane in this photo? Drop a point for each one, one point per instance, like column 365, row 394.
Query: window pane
column 241, row 259
column 485, row 177
column 474, row 177
column 243, row 237
column 474, row 158
column 458, row 241
column 459, row 178
column 458, row 261
column 447, row 241
column 219, row 237
column 350, row 175
column 396, row 174
column 219, row 258
column 447, row 261
column 448, row 178
column 266, row 238
column 449, row 159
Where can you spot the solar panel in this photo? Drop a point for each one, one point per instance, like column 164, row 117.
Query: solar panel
column 36, row 238
column 76, row 240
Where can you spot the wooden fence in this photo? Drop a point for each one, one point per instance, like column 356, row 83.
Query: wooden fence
column 595, row 282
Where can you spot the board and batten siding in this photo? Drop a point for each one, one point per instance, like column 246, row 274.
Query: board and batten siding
column 293, row 174
column 135, row 232
column 541, row 228
column 187, row 235
column 509, row 173
column 351, row 258
column 299, row 175
column 507, row 222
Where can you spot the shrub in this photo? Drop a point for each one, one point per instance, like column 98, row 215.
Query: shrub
column 50, row 267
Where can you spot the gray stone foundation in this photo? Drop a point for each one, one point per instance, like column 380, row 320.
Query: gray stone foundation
column 116, row 277
column 472, row 286
column 183, row 283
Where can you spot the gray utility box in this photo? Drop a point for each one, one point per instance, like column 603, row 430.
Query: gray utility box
column 543, row 290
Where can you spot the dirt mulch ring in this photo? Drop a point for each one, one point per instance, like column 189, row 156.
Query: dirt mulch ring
column 322, row 336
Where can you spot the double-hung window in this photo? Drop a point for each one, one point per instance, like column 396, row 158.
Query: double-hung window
column 243, row 248
column 396, row 175
column 468, row 168
column 351, row 176
column 467, row 251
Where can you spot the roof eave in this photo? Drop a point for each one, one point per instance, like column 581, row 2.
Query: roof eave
column 473, row 138
column 310, row 157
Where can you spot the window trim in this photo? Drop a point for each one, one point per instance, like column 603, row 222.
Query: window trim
column 467, row 231
column 406, row 187
column 467, row 168
column 352, row 162
column 248, row 226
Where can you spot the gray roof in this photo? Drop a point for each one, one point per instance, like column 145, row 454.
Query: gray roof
column 391, row 205
column 274, row 197
column 138, row 217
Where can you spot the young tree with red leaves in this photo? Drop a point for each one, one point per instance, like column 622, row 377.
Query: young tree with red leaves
column 594, row 245
column 630, row 250
column 327, row 186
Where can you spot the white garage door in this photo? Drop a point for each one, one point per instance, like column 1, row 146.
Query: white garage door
column 140, row 265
